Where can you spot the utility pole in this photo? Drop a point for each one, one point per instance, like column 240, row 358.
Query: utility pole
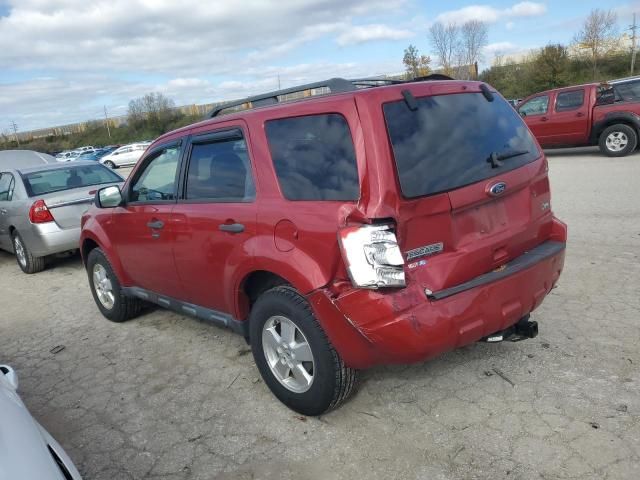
column 279, row 82
column 633, row 28
column 14, row 127
column 106, row 121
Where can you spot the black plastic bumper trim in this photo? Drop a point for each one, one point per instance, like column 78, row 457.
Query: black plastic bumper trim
column 524, row 261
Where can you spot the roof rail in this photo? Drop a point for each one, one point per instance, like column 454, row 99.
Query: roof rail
column 334, row 85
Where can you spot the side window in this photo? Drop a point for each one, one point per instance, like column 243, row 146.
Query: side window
column 6, row 187
column 572, row 100
column 627, row 91
column 220, row 171
column 158, row 180
column 314, row 157
column 535, row 106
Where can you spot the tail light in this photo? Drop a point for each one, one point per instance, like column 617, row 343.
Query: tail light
column 372, row 256
column 39, row 213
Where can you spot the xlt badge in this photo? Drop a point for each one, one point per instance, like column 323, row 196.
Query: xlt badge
column 424, row 251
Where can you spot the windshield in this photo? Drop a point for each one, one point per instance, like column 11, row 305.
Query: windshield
column 48, row 181
column 454, row 140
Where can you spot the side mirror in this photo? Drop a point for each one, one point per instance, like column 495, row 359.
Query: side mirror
column 10, row 374
column 108, row 197
column 522, row 114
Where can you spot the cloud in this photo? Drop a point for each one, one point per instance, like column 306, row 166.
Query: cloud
column 488, row 14
column 110, row 51
column 500, row 48
column 368, row 33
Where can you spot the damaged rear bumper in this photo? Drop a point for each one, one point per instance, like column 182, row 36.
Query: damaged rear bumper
column 370, row 327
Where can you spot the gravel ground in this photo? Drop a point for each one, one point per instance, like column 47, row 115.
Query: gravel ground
column 169, row 397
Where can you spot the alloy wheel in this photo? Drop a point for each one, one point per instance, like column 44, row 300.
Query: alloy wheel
column 20, row 251
column 103, row 287
column 288, row 354
column 616, row 141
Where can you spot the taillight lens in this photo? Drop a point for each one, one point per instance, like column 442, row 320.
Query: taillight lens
column 39, row 213
column 372, row 256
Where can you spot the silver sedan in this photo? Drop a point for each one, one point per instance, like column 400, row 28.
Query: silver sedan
column 41, row 207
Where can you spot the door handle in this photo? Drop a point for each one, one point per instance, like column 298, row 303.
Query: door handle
column 544, row 119
column 579, row 114
column 231, row 227
column 3, row 211
column 155, row 224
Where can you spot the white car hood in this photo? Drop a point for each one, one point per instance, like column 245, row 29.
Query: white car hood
column 23, row 442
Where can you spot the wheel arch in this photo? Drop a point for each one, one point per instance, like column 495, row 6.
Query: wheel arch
column 615, row 118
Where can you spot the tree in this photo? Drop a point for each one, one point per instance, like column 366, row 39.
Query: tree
column 474, row 38
column 446, row 45
column 597, row 35
column 154, row 111
column 415, row 65
column 551, row 67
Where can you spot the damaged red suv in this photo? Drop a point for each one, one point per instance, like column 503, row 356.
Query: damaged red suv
column 337, row 226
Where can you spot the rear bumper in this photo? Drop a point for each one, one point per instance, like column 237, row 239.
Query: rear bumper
column 48, row 238
column 370, row 327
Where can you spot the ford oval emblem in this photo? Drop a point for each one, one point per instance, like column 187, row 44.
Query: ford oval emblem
column 497, row 189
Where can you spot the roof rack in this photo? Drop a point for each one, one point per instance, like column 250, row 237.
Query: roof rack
column 333, row 85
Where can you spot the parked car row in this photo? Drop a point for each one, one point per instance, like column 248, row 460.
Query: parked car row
column 112, row 156
column 603, row 114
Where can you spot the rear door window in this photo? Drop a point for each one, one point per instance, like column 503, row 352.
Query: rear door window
column 449, row 140
column 314, row 157
column 6, row 187
column 220, row 171
column 567, row 101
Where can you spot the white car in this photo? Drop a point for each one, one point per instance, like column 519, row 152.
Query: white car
column 28, row 451
column 124, row 156
column 67, row 156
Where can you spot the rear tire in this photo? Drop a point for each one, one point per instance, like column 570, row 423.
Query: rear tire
column 27, row 262
column 110, row 164
column 325, row 382
column 618, row 140
column 106, row 290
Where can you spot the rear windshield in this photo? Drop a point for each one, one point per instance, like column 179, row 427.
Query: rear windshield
column 448, row 141
column 48, row 181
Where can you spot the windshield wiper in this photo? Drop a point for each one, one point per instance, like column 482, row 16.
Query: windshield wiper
column 495, row 159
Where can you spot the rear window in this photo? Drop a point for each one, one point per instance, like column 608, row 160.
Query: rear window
column 448, row 141
column 49, row 181
column 314, row 157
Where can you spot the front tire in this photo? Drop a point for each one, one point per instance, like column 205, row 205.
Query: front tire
column 106, row 290
column 294, row 355
column 110, row 164
column 27, row 262
column 618, row 140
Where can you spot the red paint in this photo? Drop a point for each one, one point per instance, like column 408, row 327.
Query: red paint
column 297, row 241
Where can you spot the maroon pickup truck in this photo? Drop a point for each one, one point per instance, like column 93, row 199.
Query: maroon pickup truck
column 603, row 114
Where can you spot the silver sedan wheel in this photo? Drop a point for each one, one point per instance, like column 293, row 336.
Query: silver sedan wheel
column 288, row 354
column 617, row 141
column 103, row 287
column 20, row 252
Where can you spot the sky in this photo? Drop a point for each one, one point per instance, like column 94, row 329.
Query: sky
column 64, row 61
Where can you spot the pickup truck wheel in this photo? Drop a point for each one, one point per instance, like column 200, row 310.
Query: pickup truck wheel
column 106, row 290
column 618, row 140
column 294, row 355
column 27, row 262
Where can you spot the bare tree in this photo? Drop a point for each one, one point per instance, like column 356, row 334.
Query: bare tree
column 473, row 38
column 446, row 45
column 154, row 109
column 597, row 34
column 416, row 65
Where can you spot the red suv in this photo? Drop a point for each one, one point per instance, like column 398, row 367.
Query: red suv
column 376, row 222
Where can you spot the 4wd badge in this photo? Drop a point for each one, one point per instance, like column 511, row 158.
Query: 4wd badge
column 424, row 251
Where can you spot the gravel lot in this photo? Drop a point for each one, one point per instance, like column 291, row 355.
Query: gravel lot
column 165, row 396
